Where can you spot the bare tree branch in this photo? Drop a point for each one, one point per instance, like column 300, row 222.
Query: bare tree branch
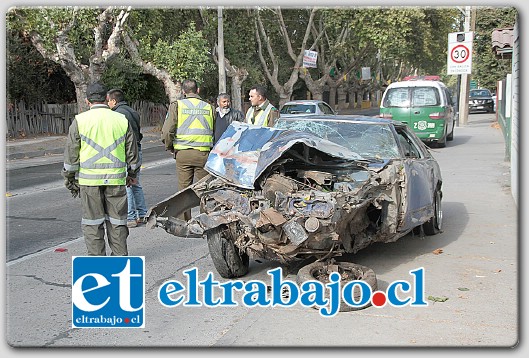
column 114, row 39
column 260, row 52
column 283, row 30
column 261, row 30
column 172, row 89
column 305, row 38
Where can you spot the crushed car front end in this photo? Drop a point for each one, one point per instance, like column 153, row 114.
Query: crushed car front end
column 287, row 195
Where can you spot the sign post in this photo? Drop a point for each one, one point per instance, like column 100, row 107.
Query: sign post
column 459, row 62
column 459, row 53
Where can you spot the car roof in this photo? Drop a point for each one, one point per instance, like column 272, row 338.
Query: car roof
column 418, row 83
column 304, row 101
column 345, row 118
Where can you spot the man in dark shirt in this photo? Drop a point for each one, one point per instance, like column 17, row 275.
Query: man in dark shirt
column 137, row 209
column 225, row 115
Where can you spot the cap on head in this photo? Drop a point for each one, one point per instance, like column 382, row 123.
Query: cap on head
column 96, row 92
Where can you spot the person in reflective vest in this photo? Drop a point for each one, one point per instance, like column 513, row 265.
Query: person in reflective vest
column 261, row 112
column 101, row 159
column 188, row 134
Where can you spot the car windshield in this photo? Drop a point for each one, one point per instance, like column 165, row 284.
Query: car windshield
column 298, row 108
column 370, row 140
column 480, row 93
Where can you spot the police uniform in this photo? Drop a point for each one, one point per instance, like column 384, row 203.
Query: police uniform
column 102, row 150
column 188, row 132
column 262, row 115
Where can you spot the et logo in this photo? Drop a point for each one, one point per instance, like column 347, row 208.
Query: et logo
column 108, row 292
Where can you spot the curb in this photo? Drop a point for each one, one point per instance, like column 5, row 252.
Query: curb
column 34, row 154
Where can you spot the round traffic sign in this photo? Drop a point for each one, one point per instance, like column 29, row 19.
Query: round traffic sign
column 460, row 54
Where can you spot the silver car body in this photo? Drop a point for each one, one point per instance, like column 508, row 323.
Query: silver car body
column 306, row 107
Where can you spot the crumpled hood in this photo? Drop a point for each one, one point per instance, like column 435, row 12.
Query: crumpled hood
column 244, row 151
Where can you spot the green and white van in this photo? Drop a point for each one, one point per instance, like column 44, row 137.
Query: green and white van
column 426, row 106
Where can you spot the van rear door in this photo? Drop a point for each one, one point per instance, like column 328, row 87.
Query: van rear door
column 396, row 104
column 427, row 113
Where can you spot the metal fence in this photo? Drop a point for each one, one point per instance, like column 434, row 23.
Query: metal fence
column 23, row 119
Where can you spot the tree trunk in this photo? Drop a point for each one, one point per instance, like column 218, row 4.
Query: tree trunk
column 315, row 87
column 80, row 92
column 236, row 88
column 332, row 96
column 359, row 99
column 237, row 75
column 342, row 96
column 352, row 98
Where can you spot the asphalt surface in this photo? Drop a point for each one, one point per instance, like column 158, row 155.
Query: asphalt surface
column 47, row 147
column 474, row 263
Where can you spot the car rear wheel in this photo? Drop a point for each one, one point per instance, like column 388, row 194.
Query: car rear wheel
column 349, row 271
column 228, row 260
column 451, row 135
column 441, row 143
column 434, row 225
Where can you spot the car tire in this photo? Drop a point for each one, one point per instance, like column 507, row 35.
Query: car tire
column 442, row 143
column 434, row 225
column 450, row 136
column 228, row 260
column 317, row 271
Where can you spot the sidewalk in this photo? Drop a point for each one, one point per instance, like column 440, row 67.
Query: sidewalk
column 50, row 145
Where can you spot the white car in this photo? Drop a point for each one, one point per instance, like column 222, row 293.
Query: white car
column 304, row 107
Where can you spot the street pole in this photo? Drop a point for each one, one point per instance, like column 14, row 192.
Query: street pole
column 465, row 81
column 222, row 69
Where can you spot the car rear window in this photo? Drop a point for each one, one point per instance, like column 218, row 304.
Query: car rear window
column 420, row 97
column 298, row 108
column 425, row 96
column 325, row 109
column 397, row 97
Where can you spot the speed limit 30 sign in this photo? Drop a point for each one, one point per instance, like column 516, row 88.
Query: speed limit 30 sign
column 459, row 53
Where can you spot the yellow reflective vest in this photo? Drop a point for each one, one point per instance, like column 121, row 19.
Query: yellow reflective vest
column 261, row 118
column 102, row 157
column 194, row 127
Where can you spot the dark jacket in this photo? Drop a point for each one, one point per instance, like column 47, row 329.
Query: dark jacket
column 133, row 117
column 221, row 123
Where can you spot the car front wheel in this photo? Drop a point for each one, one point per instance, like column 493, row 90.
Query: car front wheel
column 228, row 260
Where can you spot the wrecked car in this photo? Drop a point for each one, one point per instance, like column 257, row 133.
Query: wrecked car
column 314, row 187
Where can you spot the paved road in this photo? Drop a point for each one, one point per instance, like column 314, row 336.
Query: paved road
column 474, row 263
column 41, row 213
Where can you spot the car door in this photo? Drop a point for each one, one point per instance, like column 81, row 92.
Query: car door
column 426, row 101
column 419, row 183
column 396, row 104
column 449, row 110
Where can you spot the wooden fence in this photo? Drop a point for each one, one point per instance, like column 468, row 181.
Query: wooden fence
column 24, row 119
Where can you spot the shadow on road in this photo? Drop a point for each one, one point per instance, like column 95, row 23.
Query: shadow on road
column 383, row 257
